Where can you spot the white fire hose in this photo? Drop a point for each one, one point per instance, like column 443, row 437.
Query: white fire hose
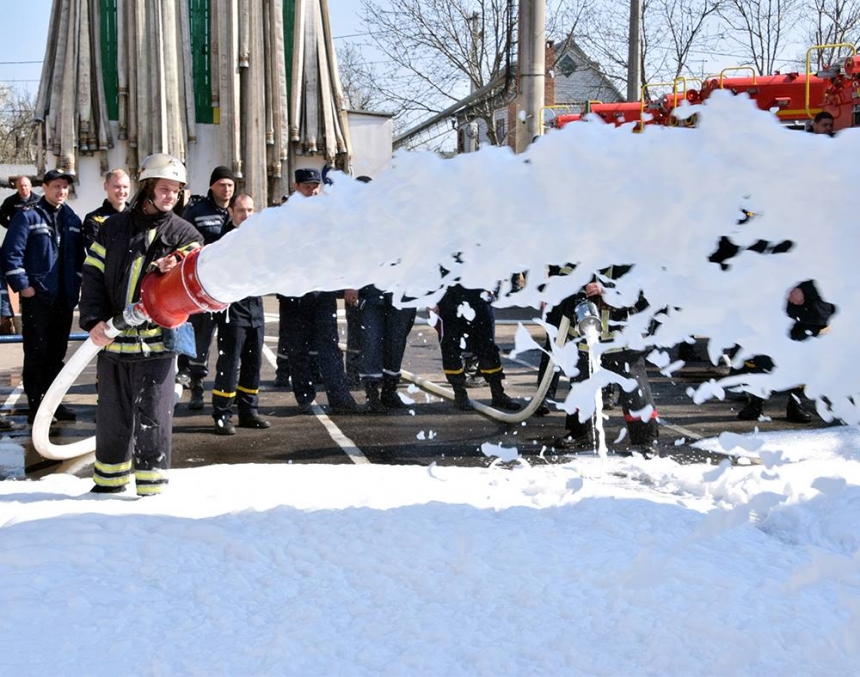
column 490, row 412
column 132, row 317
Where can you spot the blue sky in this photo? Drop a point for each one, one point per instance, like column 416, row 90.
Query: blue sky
column 24, row 32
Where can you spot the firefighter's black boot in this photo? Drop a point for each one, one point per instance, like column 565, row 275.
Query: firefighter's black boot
column 390, row 398
column 753, row 410
column 643, row 437
column 196, row 401
column 795, row 411
column 500, row 399
column 374, row 404
column 461, row 397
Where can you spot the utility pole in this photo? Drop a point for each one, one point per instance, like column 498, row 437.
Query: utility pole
column 470, row 128
column 634, row 52
column 531, row 66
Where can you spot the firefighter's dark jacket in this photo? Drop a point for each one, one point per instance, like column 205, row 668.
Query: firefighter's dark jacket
column 31, row 251
column 208, row 218
column 249, row 311
column 815, row 311
column 95, row 219
column 13, row 204
column 115, row 266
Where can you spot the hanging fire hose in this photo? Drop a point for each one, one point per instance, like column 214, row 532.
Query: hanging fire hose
column 169, row 299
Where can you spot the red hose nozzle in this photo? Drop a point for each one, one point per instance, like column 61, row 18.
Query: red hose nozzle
column 170, row 298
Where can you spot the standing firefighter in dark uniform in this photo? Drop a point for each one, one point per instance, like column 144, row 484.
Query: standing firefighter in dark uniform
column 467, row 321
column 637, row 403
column 136, row 370
column 241, row 330
column 209, row 216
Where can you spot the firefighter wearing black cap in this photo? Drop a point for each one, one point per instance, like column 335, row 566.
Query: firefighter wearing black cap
column 136, row 372
column 42, row 256
column 209, row 216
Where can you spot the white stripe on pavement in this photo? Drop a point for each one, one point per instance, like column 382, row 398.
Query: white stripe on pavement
column 347, row 445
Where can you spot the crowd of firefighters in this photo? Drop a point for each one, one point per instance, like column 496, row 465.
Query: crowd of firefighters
column 55, row 261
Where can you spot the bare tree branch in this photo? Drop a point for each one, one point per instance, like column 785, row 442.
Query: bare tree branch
column 17, row 128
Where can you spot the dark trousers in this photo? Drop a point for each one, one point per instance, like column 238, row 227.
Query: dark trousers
column 458, row 331
column 311, row 328
column 282, row 372
column 629, row 364
column 46, row 323
column 237, row 374
column 134, row 416
column 204, row 327
column 354, row 339
column 384, row 332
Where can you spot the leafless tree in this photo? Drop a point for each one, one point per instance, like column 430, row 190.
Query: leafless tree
column 830, row 22
column 17, row 129
column 672, row 31
column 761, row 28
column 684, row 26
column 436, row 51
column 357, row 78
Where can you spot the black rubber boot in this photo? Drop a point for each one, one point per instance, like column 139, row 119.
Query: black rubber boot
column 196, row 401
column 461, row 399
column 390, row 398
column 753, row 410
column 374, row 404
column 500, row 399
column 224, row 426
column 795, row 411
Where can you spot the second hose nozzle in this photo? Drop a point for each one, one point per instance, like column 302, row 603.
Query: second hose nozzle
column 586, row 317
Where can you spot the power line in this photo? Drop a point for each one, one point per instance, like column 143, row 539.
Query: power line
column 17, row 63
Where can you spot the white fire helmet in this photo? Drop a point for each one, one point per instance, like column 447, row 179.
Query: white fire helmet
column 163, row 166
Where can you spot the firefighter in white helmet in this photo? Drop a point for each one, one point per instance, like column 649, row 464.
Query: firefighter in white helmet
column 136, row 370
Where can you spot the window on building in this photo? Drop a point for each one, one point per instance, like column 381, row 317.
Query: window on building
column 567, row 66
column 501, row 129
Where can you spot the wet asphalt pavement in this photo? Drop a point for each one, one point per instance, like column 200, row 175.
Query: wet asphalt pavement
column 429, row 430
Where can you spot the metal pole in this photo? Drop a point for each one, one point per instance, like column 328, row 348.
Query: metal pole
column 469, row 129
column 634, row 52
column 532, row 66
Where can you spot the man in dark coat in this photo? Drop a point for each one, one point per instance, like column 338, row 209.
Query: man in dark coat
column 42, row 257
column 209, row 216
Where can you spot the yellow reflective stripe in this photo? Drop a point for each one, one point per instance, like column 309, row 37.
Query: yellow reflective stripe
column 189, row 247
column 461, row 370
column 125, row 466
column 250, row 391
column 136, row 265
column 150, row 236
column 491, row 371
column 153, row 475
column 221, row 393
column 131, row 348
column 98, row 249
column 95, row 263
column 111, row 481
column 149, row 489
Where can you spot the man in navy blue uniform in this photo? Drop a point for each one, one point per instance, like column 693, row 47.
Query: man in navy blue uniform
column 209, row 216
column 240, row 349
column 42, row 257
column 22, row 198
